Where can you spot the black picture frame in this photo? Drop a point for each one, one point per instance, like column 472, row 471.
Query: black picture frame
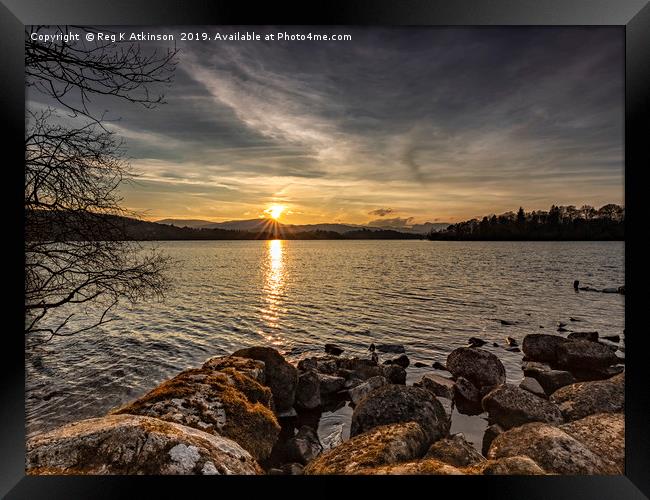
column 632, row 15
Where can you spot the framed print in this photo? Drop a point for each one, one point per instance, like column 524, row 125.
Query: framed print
column 346, row 244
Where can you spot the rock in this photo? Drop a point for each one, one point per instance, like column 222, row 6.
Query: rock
column 561, row 324
column 395, row 374
column 510, row 406
column 466, row 390
column 490, row 433
column 372, row 347
column 589, row 336
column 251, row 367
column 507, row 323
column 574, row 319
column 508, row 466
column 290, row 413
column 551, row 448
column 281, row 377
column 531, row 385
column 308, row 390
column 542, row 347
column 438, row 385
column 395, row 404
column 584, row 354
column 579, row 400
column 226, row 403
column 391, row 348
column 402, row 361
column 419, row 364
column 604, row 434
column 612, row 338
column 130, row 444
column 476, row 342
column 513, row 349
column 360, row 368
column 428, row 467
column 511, row 342
column 322, row 364
column 454, row 450
column 292, row 469
column 494, row 344
column 358, row 393
column 439, row 366
column 550, row 380
column 480, row 367
column 330, row 384
column 304, row 446
column 333, row 349
column 383, row 445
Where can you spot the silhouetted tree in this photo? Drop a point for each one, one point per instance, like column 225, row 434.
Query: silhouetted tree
column 73, row 169
column 559, row 223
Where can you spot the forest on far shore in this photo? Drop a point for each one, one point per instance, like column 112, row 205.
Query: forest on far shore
column 558, row 223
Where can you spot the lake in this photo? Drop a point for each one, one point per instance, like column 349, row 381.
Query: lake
column 298, row 295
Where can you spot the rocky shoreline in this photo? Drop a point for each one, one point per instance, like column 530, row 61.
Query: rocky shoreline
column 253, row 412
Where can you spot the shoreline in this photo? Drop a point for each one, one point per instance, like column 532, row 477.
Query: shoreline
column 268, row 410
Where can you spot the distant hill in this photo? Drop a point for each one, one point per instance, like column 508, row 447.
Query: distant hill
column 80, row 226
column 257, row 225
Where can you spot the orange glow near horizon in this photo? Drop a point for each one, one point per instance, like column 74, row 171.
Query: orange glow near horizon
column 275, row 211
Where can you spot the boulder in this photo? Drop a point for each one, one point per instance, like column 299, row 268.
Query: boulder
column 402, row 361
column 130, row 444
column 542, row 347
column 586, row 355
column 226, row 403
column 383, row 445
column 358, row 367
column 281, row 377
column 576, row 401
column 490, row 433
column 551, row 448
column 391, row 348
column 322, row 364
column 550, row 380
column 304, row 446
column 395, row 404
column 531, row 385
column 507, row 466
column 589, row 336
column 426, row 467
column 604, row 434
column 308, row 391
column 361, row 391
column 330, row 384
column 253, row 368
column 454, row 450
column 612, row 338
column 333, row 349
column 437, row 384
column 509, row 406
column 466, row 390
column 395, row 374
column 480, row 367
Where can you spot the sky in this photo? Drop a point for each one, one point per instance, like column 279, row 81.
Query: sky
column 394, row 127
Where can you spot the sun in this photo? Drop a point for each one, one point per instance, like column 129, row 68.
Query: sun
column 275, row 211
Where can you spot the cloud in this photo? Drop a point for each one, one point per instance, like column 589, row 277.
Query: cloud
column 443, row 123
column 381, row 212
column 396, row 222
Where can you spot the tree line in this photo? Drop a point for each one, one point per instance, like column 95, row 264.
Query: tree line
column 558, row 223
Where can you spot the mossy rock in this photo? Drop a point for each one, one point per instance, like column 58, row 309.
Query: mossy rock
column 130, row 444
column 384, row 445
column 225, row 403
